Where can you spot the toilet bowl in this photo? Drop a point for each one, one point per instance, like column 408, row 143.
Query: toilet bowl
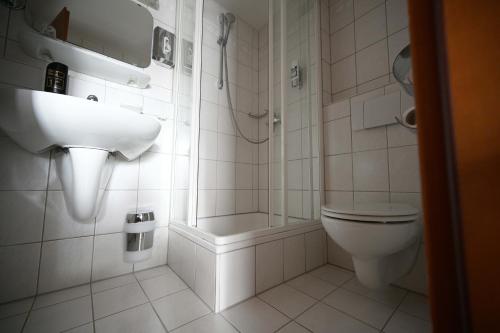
column 382, row 238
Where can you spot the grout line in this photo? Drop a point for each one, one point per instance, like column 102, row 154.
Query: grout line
column 289, row 317
column 285, row 324
column 112, row 314
column 193, row 320
column 86, row 236
column 304, row 327
column 395, row 310
column 72, row 328
column 351, row 316
column 92, row 273
column 150, row 303
column 229, row 321
column 373, row 299
column 6, row 38
column 28, row 314
column 57, row 303
column 41, row 242
column 108, row 289
column 375, row 149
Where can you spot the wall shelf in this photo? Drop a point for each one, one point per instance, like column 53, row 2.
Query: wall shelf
column 82, row 60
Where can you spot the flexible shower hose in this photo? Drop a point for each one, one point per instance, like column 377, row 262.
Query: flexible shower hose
column 233, row 117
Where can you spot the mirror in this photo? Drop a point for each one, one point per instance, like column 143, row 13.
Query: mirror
column 120, row 29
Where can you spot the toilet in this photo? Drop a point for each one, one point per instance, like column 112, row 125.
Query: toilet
column 382, row 238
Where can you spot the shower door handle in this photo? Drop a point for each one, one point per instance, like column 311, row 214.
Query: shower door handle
column 220, row 81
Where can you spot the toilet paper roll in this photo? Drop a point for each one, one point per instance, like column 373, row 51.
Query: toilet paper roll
column 410, row 118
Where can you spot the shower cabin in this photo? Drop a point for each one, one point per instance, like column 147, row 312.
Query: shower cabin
column 248, row 162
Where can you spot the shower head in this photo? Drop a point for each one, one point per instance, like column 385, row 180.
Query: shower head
column 222, row 18
column 230, row 18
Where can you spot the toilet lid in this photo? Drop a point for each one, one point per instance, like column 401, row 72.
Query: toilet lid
column 371, row 212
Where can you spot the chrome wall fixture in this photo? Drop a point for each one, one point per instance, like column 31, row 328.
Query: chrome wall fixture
column 140, row 241
column 163, row 47
column 140, row 228
column 402, row 71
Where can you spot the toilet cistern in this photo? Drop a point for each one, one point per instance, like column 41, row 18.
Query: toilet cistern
column 84, row 133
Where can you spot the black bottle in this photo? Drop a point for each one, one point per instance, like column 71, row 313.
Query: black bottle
column 56, row 78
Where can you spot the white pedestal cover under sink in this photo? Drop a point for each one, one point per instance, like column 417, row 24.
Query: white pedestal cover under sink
column 87, row 131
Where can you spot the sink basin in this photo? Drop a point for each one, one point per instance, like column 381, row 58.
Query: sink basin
column 38, row 121
column 87, row 131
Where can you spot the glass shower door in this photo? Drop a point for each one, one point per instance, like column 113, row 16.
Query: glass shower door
column 295, row 153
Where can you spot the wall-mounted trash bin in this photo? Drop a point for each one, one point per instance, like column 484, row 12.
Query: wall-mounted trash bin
column 140, row 229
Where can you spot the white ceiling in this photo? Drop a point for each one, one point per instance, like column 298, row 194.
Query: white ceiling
column 254, row 12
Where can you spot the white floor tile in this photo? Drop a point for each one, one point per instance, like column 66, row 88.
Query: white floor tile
column 332, row 274
column 60, row 317
column 311, row 286
column 118, row 299
column 255, row 316
column 119, row 306
column 371, row 312
column 138, row 319
column 87, row 328
column 391, row 296
column 13, row 324
column 401, row 322
column 293, row 327
column 180, row 308
column 208, row 324
column 287, row 300
column 162, row 285
column 112, row 283
column 153, row 272
column 323, row 319
column 416, row 305
column 61, row 296
column 15, row 308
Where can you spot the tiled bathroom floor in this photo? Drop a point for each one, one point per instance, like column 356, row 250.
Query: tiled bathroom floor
column 157, row 300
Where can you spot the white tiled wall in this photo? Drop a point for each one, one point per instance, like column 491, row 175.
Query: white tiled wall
column 41, row 247
column 377, row 164
column 363, row 39
column 228, row 169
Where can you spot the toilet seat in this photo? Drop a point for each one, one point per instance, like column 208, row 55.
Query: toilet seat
column 371, row 212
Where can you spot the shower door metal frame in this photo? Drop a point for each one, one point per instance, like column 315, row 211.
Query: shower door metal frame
column 195, row 116
column 319, row 105
column 284, row 120
column 270, row 114
column 283, row 153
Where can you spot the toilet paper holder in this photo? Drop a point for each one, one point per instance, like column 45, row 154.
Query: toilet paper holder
column 409, row 119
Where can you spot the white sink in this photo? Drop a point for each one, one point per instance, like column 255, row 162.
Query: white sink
column 88, row 131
